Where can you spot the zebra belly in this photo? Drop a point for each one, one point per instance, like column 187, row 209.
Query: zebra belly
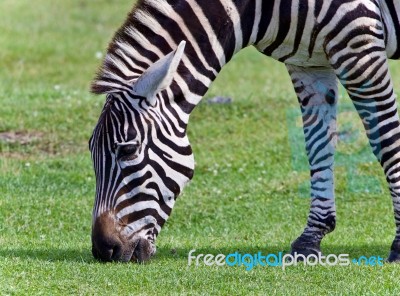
column 301, row 58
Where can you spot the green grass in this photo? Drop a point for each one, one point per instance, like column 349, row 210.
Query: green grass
column 249, row 192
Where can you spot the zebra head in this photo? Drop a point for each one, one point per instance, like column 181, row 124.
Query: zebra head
column 142, row 160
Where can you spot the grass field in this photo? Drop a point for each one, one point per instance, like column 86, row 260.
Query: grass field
column 249, row 192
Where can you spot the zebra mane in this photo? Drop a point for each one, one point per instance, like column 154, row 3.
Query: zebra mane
column 124, row 61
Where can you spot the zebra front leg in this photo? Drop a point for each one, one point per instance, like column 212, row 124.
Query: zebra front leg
column 317, row 93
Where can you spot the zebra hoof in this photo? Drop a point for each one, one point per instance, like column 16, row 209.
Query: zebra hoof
column 394, row 255
column 305, row 247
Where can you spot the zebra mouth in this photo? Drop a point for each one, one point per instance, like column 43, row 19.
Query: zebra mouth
column 143, row 251
column 140, row 251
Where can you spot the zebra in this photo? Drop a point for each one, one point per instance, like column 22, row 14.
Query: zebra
column 162, row 61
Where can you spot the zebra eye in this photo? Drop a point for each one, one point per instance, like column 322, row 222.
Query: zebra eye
column 127, row 151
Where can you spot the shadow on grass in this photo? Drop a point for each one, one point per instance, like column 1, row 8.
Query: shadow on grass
column 49, row 254
column 168, row 253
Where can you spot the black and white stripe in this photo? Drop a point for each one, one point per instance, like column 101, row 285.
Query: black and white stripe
column 153, row 80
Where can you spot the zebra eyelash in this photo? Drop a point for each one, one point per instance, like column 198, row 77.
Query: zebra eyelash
column 122, row 144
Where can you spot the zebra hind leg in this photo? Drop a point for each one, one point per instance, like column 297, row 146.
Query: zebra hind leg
column 370, row 88
column 317, row 92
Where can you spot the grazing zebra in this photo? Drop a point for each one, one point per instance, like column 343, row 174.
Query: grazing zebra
column 162, row 61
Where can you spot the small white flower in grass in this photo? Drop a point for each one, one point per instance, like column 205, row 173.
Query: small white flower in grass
column 27, row 164
column 217, row 191
column 98, row 55
column 57, row 87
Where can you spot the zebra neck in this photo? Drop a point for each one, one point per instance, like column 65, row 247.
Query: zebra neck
column 214, row 30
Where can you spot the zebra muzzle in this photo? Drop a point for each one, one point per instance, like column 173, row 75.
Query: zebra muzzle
column 108, row 244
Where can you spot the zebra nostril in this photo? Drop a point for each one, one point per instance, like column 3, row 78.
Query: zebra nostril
column 106, row 244
column 105, row 251
column 116, row 252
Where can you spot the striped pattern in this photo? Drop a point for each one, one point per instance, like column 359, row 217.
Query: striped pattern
column 142, row 157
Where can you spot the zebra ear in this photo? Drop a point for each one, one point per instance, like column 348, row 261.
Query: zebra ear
column 159, row 75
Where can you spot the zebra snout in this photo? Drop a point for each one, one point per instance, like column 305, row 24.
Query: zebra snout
column 107, row 243
column 107, row 252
